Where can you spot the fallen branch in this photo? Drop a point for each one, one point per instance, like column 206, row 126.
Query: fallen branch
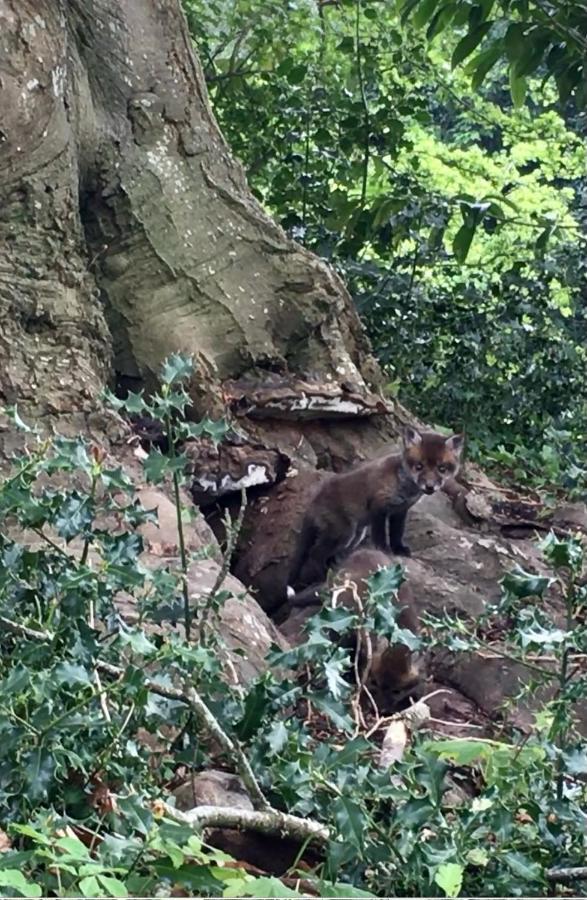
column 269, row 821
column 563, row 876
column 189, row 696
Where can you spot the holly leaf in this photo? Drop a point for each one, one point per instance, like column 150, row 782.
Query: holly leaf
column 277, row 738
column 525, row 584
column 13, row 415
column 351, row 821
column 523, row 867
column 334, row 670
column 176, row 368
column 70, row 673
column 157, row 466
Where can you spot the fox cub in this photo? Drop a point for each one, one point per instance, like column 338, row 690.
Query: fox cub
column 375, row 495
column 392, row 668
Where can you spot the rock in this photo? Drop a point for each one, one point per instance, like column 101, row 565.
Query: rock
column 571, row 514
column 454, row 715
column 246, row 630
column 489, row 681
column 216, row 788
column 197, row 534
column 212, row 788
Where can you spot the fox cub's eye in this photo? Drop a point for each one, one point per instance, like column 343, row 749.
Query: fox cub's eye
column 442, row 469
column 418, row 467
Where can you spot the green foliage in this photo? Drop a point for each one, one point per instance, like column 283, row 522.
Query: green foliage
column 454, row 217
column 532, row 36
column 79, row 798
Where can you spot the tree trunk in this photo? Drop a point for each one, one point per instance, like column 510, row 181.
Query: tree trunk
column 128, row 231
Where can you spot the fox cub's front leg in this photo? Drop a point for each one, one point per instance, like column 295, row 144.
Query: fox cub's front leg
column 387, row 531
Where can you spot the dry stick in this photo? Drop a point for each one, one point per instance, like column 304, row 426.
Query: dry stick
column 268, row 821
column 230, row 545
column 575, row 873
column 190, row 697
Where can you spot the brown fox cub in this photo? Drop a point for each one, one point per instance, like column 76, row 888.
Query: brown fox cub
column 392, row 667
column 375, row 494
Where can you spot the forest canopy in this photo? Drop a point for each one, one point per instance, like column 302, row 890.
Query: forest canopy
column 445, row 179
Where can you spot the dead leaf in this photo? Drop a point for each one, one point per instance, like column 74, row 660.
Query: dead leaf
column 5, row 842
column 394, row 744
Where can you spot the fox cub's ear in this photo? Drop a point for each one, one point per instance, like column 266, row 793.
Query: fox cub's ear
column 412, row 438
column 456, row 443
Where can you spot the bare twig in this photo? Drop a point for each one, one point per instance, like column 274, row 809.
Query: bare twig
column 563, row 876
column 269, row 821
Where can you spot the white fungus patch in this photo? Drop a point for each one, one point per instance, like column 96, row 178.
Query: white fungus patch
column 255, row 475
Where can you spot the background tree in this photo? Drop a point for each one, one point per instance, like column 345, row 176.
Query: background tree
column 454, row 216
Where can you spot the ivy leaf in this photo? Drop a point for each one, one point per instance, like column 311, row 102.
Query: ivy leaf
column 351, row 821
column 449, row 877
column 469, row 43
column 14, row 879
column 176, row 368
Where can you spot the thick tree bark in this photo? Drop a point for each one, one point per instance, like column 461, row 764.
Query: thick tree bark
column 121, row 206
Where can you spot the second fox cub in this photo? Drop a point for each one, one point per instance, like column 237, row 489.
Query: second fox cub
column 376, row 494
column 392, row 668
